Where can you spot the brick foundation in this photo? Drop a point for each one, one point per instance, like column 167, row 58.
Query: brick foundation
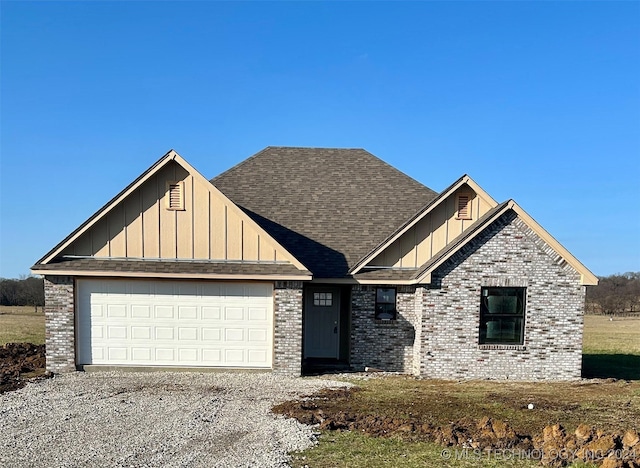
column 287, row 337
column 59, row 320
column 384, row 344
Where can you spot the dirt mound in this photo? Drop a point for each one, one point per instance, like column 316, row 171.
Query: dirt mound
column 20, row 362
column 554, row 447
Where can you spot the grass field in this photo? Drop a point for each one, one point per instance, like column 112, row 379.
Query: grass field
column 21, row 324
column 611, row 348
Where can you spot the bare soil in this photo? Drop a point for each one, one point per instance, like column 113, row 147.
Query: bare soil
column 333, row 410
column 19, row 363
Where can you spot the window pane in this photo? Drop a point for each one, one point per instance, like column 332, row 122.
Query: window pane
column 385, row 304
column 385, row 312
column 502, row 315
column 324, row 299
column 386, row 295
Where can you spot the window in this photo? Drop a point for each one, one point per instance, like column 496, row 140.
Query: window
column 175, row 195
column 463, row 206
column 385, row 304
column 322, row 299
column 502, row 315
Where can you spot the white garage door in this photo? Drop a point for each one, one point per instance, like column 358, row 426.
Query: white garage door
column 175, row 323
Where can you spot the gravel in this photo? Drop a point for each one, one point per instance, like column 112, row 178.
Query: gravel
column 153, row 419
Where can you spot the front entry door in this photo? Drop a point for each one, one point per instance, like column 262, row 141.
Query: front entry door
column 321, row 323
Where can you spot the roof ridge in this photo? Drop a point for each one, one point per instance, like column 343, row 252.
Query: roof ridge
column 254, row 156
column 315, row 147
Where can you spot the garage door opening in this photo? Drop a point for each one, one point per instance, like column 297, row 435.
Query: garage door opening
column 174, row 323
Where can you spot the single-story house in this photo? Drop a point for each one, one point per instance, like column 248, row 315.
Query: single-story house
column 298, row 257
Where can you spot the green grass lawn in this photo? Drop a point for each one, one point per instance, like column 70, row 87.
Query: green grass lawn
column 353, row 450
column 611, row 348
column 21, row 325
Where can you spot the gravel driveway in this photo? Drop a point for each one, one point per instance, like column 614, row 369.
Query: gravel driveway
column 152, row 420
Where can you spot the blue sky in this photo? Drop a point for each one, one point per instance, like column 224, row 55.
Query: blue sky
column 537, row 101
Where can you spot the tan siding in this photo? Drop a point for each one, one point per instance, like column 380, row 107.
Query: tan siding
column 439, row 226
column 408, row 249
column 168, row 239
column 267, row 252
column 100, row 239
column 423, row 239
column 218, row 229
column 201, row 216
column 234, row 236
column 133, row 222
column 184, row 218
column 150, row 219
column 483, row 207
column 392, row 254
column 210, row 226
column 249, row 243
column 82, row 246
column 117, row 241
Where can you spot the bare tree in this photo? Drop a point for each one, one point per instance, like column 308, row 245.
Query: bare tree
column 615, row 294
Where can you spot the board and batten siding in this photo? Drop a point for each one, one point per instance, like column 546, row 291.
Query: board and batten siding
column 210, row 226
column 433, row 232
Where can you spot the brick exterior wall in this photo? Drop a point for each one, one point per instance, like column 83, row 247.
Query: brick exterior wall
column 59, row 322
column 287, row 337
column 508, row 253
column 384, row 344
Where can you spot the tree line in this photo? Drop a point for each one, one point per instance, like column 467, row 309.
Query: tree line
column 26, row 291
column 614, row 294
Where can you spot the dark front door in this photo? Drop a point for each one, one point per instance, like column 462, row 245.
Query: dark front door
column 321, row 322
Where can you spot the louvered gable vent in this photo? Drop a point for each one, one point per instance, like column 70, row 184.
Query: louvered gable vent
column 175, row 200
column 464, row 206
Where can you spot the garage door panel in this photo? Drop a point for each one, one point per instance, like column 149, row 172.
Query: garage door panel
column 140, row 311
column 256, row 357
column 187, row 334
column 116, row 333
column 141, row 333
column 188, row 312
column 211, row 313
column 118, row 354
column 96, row 310
column 175, row 323
column 211, row 334
column 235, row 356
column 212, row 355
column 257, row 335
column 257, row 314
column 164, row 312
column 141, row 354
column 188, row 355
column 233, row 313
column 165, row 354
column 234, row 334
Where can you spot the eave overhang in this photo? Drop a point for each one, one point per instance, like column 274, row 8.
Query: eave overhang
column 177, row 269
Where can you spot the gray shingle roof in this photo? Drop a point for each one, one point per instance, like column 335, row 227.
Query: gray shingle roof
column 169, row 267
column 328, row 207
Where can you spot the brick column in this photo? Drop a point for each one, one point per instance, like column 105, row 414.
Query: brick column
column 59, row 322
column 287, row 340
